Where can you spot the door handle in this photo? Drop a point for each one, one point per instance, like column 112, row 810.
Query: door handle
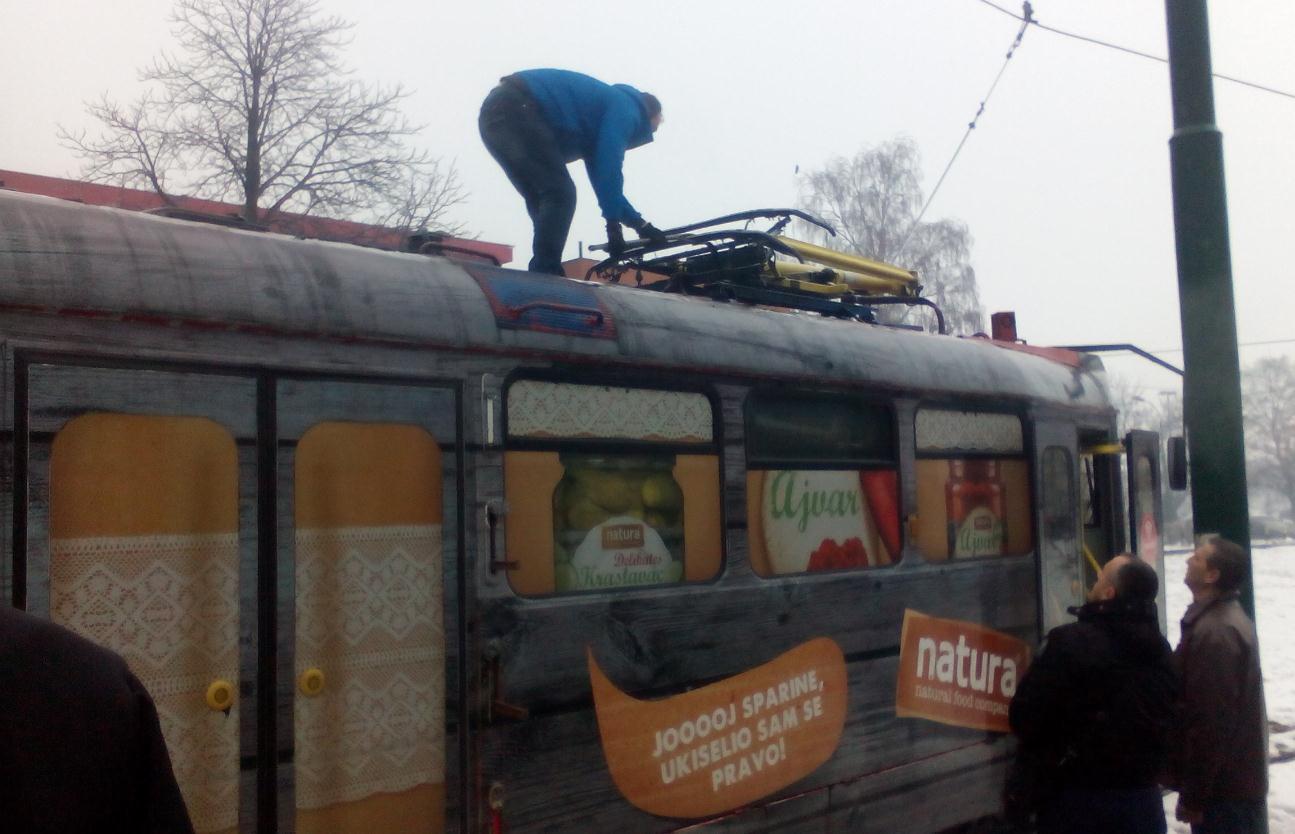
column 493, row 683
column 311, row 682
column 220, row 695
column 492, row 523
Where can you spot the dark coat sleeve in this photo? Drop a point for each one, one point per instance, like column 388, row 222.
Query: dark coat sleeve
column 1212, row 678
column 1039, row 708
column 158, row 805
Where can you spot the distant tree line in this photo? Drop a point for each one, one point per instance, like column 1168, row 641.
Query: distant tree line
column 1268, row 401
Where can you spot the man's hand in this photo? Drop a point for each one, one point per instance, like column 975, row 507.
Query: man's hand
column 615, row 240
column 650, row 233
column 1185, row 813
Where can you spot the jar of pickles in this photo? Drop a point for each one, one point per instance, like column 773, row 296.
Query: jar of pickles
column 617, row 522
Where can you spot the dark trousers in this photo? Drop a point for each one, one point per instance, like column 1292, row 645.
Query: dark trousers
column 515, row 133
column 1233, row 817
column 1093, row 811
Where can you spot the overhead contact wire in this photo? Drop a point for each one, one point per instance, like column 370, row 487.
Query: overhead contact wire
column 1128, row 50
column 1016, row 42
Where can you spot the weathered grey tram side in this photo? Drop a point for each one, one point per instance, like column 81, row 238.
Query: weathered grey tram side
column 653, row 640
column 78, row 259
column 657, row 641
column 57, row 393
column 352, row 330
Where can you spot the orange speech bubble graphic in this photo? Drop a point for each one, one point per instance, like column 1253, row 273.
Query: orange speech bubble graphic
column 958, row 673
column 729, row 743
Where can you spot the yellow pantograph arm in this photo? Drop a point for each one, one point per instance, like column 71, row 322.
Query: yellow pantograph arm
column 898, row 278
column 805, row 277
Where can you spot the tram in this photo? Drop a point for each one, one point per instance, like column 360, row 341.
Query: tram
column 412, row 544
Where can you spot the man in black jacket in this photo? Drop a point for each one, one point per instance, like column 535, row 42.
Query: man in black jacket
column 1095, row 710
column 81, row 751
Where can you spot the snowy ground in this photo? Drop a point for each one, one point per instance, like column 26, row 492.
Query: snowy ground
column 1275, row 615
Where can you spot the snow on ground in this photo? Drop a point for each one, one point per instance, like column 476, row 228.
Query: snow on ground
column 1274, row 569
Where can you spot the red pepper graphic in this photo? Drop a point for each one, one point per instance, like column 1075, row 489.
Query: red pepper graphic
column 833, row 556
column 881, row 488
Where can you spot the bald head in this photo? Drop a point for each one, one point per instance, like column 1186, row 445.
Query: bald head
column 1127, row 578
column 1104, row 587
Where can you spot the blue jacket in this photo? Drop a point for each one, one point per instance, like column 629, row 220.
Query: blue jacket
column 595, row 122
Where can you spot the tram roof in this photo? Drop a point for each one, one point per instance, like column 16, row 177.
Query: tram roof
column 59, row 257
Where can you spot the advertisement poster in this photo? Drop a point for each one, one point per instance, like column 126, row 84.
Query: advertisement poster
column 729, row 743
column 572, row 526
column 958, row 673
column 617, row 521
column 586, row 516
column 972, row 508
column 806, row 521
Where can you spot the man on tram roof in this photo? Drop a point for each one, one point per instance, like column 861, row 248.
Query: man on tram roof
column 536, row 122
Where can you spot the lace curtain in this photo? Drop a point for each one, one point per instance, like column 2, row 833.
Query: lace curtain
column 169, row 606
column 369, row 617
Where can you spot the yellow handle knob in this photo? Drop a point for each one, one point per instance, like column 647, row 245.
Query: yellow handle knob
column 220, row 695
column 311, row 682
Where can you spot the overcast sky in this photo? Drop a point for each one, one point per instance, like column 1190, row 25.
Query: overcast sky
column 1064, row 184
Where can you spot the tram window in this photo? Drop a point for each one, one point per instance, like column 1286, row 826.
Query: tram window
column 1058, row 512
column 1099, row 510
column 973, row 485
column 610, row 487
column 1144, row 510
column 369, row 657
column 822, row 484
column 1061, row 563
column 820, row 429
column 1091, row 510
column 144, row 560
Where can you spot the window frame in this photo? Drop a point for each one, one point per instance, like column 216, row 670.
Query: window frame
column 616, row 447
column 1026, row 455
column 866, row 401
column 754, row 463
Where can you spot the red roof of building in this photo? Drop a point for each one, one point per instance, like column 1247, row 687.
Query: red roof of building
column 321, row 228
column 579, row 268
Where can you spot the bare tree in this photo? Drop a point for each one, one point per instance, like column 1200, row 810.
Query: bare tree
column 1134, row 406
column 1268, row 395
column 873, row 199
column 423, row 201
column 257, row 106
column 135, row 147
column 1138, row 408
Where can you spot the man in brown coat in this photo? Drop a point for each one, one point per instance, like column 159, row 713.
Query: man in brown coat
column 1221, row 758
column 81, row 751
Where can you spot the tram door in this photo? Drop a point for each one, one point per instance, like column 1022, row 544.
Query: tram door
column 1061, row 575
column 1101, row 502
column 368, row 513
column 144, row 532
column 1146, row 512
column 139, row 537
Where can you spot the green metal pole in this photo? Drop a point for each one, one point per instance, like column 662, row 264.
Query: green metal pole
column 1212, row 385
column 1212, row 382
